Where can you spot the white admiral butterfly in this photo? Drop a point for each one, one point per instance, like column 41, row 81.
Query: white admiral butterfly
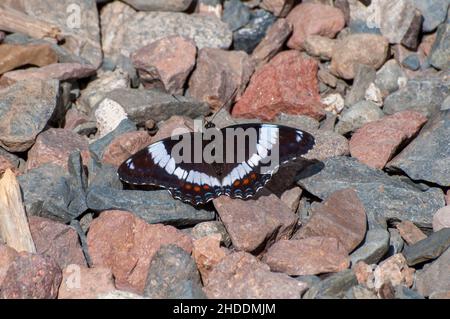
column 198, row 182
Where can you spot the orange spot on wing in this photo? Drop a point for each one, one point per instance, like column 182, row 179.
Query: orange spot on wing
column 205, row 187
column 187, row 186
column 237, row 183
column 246, row 181
column 197, row 188
column 253, row 176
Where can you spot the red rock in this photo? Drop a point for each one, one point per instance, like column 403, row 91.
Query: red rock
column 85, row 283
column 174, row 126
column 272, row 42
column 218, row 74
column 280, row 8
column 54, row 146
column 170, row 60
column 314, row 19
column 361, row 48
column 15, row 55
column 57, row 71
column 252, row 223
column 309, row 256
column 241, row 275
column 74, row 118
column 291, row 198
column 447, row 197
column 410, row 232
column 31, row 276
column 125, row 145
column 126, row 244
column 376, row 142
column 393, row 271
column 341, row 216
column 287, row 84
column 363, row 273
column 7, row 256
column 56, row 240
column 207, row 253
column 441, row 219
column 427, row 43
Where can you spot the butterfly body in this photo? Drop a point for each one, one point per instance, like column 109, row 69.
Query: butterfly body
column 237, row 162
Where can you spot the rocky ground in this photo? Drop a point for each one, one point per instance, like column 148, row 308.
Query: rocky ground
column 84, row 84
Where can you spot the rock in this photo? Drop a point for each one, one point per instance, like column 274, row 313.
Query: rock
column 314, row 19
column 334, row 286
column 142, row 105
column 291, row 198
column 401, row 292
column 364, row 76
column 82, row 33
column 249, row 36
column 424, row 95
column 125, row 145
column 95, row 90
column 280, row 8
column 376, row 142
column 56, row 71
column 271, row 88
column 17, row 55
column 375, row 190
column 326, row 78
column 328, row 144
column 48, row 191
column 219, row 74
column 159, row 5
column 433, row 12
column 235, row 14
column 251, row 224
column 119, row 294
column 7, row 256
column 412, row 62
column 54, row 146
column 319, row 46
column 74, row 118
column 434, row 279
column 357, row 116
column 125, row 30
column 57, row 241
column 309, row 256
column 9, row 162
column 272, row 42
column 396, row 243
column 173, row 275
column 169, row 60
column 441, row 218
column 302, row 122
column 364, row 273
column 394, row 271
column 374, row 247
column 31, row 276
column 85, row 283
column 207, row 253
column 340, row 216
column 152, row 206
column 130, row 251
column 360, row 292
column 368, row 49
column 211, row 228
column 241, row 275
column 427, row 158
column 440, row 52
column 428, row 248
column 109, row 114
column 26, row 107
column 410, row 232
column 334, row 103
column 389, row 77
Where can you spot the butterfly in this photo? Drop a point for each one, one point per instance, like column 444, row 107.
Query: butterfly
column 232, row 164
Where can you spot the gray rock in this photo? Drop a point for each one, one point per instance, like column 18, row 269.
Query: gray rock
column 124, row 30
column 105, row 175
column 360, row 292
column 434, row 12
column 396, row 242
column 387, row 78
column 412, row 62
column 249, row 36
column 143, row 105
column 429, row 248
column 78, row 184
column 427, row 158
column 304, row 210
column 446, row 104
column 15, row 160
column 375, row 246
column 83, row 240
column 383, row 197
column 159, row 5
column 152, row 206
column 173, row 274
column 209, row 228
column 48, row 191
column 423, row 95
column 310, row 280
column 360, row 26
column 25, row 109
column 363, row 77
column 435, row 278
column 235, row 14
column 402, row 292
column 302, row 122
column 334, row 286
column 440, row 52
column 357, row 115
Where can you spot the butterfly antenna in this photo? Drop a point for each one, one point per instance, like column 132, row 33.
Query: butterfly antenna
column 232, row 96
